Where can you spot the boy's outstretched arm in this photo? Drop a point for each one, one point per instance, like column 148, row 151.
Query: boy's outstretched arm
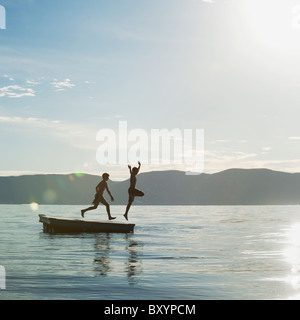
column 129, row 167
column 112, row 198
column 139, row 166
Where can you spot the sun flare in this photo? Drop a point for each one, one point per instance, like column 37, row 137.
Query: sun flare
column 34, row 206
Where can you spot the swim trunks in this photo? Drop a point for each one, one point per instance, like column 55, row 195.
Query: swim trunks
column 99, row 199
column 135, row 193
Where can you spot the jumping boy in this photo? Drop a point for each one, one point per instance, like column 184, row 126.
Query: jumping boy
column 132, row 191
column 99, row 197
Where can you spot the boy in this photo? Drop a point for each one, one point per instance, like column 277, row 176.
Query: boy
column 99, row 197
column 133, row 192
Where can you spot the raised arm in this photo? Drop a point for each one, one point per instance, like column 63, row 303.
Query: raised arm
column 139, row 167
column 129, row 167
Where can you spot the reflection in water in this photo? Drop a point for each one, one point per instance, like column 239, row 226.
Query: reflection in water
column 101, row 261
column 106, row 244
column 292, row 256
column 134, row 264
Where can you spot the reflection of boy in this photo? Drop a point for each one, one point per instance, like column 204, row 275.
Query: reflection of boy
column 99, row 197
column 132, row 191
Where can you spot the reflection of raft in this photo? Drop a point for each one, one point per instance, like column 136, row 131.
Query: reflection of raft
column 64, row 225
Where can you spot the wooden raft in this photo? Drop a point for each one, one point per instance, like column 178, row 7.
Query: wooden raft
column 64, row 225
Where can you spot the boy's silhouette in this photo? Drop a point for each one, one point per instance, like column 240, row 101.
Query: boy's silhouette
column 99, row 197
column 132, row 191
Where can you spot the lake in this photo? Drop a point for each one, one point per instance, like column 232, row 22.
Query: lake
column 176, row 252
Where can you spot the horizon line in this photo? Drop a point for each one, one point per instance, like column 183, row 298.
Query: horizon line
column 30, row 173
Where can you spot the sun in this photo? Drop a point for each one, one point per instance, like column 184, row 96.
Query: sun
column 274, row 23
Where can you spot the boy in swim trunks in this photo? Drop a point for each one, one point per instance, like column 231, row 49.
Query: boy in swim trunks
column 132, row 191
column 99, row 197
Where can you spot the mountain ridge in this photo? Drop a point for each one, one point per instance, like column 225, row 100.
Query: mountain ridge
column 229, row 187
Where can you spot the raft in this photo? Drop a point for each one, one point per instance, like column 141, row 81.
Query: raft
column 67, row 225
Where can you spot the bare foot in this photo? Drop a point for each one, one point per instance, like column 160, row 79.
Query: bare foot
column 112, row 218
column 82, row 213
column 126, row 217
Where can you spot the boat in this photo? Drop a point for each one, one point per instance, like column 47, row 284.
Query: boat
column 71, row 225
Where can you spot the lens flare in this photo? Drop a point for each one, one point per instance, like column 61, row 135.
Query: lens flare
column 79, row 175
column 34, row 206
column 49, row 196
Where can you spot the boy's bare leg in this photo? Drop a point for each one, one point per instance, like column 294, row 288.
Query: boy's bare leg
column 88, row 209
column 127, row 209
column 108, row 212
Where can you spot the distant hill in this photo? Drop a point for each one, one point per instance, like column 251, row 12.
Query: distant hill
column 229, row 187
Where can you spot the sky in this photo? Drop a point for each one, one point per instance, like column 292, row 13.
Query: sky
column 71, row 68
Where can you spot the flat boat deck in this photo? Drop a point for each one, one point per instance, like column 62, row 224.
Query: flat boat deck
column 67, row 225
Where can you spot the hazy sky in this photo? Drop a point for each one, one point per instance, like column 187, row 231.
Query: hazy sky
column 71, row 68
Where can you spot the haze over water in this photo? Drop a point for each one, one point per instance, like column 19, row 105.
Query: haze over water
column 191, row 252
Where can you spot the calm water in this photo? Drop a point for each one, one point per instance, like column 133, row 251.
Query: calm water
column 175, row 253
